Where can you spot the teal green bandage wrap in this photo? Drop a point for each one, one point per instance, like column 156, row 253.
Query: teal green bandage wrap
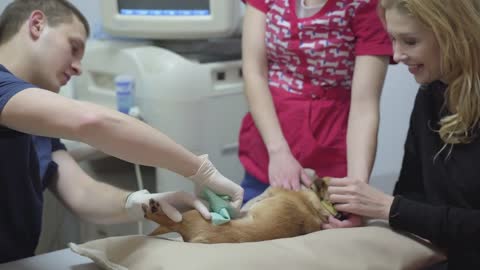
column 219, row 207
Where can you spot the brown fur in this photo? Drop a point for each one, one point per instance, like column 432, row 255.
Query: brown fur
column 278, row 213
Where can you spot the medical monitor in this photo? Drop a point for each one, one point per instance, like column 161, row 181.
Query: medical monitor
column 171, row 19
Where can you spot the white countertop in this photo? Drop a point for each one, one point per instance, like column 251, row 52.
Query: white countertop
column 58, row 260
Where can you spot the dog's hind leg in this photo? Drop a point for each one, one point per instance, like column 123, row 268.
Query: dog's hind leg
column 163, row 220
column 160, row 230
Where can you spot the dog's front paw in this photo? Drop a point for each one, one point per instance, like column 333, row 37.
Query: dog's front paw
column 152, row 211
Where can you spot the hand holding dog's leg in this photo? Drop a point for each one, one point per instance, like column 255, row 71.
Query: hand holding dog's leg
column 351, row 221
column 357, row 197
column 208, row 176
column 169, row 203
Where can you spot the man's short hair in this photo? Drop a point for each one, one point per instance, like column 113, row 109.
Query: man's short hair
column 57, row 12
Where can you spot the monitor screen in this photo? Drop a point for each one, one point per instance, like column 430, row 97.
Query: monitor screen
column 164, row 7
column 171, row 19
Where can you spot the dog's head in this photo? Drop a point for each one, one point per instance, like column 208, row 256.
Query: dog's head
column 320, row 188
column 319, row 184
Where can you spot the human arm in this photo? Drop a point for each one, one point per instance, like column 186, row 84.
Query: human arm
column 284, row 170
column 355, row 196
column 445, row 226
column 364, row 116
column 369, row 75
column 102, row 203
column 373, row 49
column 40, row 112
column 408, row 209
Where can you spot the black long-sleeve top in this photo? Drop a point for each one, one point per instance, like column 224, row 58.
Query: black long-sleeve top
column 437, row 196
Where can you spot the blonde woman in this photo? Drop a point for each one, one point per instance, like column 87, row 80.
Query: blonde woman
column 437, row 194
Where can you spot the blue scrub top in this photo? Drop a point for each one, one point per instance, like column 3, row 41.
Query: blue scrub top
column 26, row 168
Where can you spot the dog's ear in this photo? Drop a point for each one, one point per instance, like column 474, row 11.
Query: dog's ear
column 326, row 180
column 314, row 177
column 322, row 186
column 322, row 182
column 311, row 173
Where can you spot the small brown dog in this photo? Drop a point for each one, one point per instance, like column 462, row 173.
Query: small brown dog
column 277, row 213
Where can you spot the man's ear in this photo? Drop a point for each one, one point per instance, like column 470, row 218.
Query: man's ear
column 36, row 23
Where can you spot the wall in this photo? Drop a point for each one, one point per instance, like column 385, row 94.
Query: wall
column 396, row 104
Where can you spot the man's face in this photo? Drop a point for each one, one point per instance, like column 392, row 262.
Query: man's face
column 414, row 46
column 59, row 51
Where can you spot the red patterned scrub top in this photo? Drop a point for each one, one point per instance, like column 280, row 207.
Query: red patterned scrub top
column 310, row 63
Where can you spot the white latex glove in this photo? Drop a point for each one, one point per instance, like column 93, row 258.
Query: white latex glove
column 208, row 176
column 169, row 203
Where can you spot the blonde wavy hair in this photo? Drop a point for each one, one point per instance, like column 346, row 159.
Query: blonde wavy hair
column 456, row 26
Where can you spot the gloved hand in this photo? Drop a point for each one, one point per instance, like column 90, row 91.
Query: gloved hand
column 208, row 176
column 170, row 203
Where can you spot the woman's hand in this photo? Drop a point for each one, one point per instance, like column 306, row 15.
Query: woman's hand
column 357, row 197
column 350, row 222
column 172, row 204
column 284, row 171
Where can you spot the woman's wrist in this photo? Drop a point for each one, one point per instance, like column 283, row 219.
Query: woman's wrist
column 278, row 148
column 387, row 206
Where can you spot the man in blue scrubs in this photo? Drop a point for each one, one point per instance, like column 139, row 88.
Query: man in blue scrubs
column 41, row 46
